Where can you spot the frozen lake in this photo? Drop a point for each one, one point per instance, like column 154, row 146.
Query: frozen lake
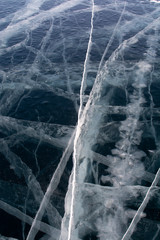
column 79, row 120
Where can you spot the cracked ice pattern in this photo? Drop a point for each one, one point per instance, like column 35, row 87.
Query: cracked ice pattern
column 81, row 77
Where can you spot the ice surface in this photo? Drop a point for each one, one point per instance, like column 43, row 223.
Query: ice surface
column 79, row 120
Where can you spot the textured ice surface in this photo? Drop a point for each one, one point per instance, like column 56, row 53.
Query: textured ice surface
column 79, row 120
column 6, row 238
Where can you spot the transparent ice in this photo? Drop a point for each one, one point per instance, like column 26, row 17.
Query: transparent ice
column 80, row 119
